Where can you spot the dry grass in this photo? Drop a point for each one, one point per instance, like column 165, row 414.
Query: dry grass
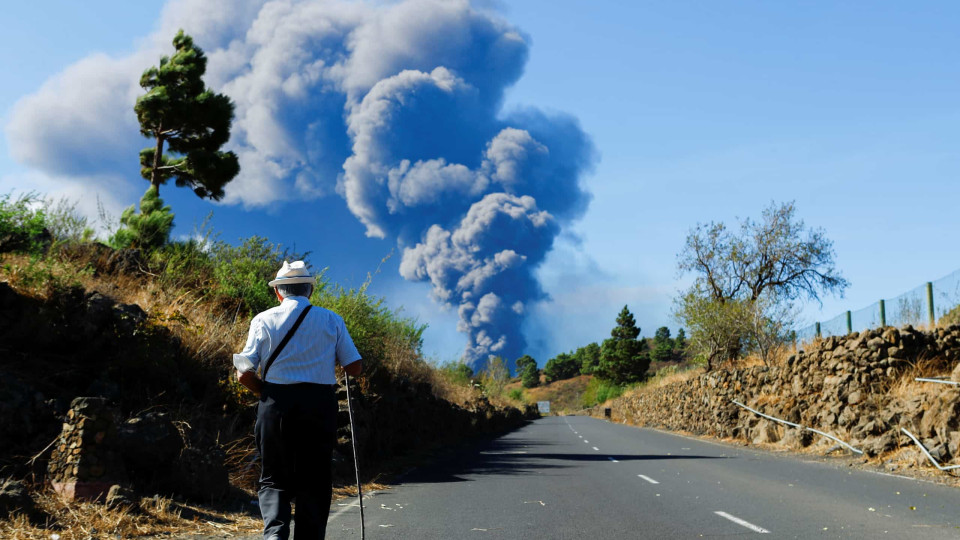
column 209, row 333
column 906, row 387
column 152, row 517
column 564, row 396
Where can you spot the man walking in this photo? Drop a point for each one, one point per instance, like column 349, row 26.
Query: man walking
column 295, row 346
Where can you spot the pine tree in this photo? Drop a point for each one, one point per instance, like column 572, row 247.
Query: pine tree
column 147, row 230
column 589, row 357
column 522, row 362
column 680, row 342
column 193, row 122
column 623, row 358
column 531, row 375
column 662, row 345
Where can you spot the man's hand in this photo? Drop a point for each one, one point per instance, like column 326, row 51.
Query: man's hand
column 354, row 369
column 251, row 381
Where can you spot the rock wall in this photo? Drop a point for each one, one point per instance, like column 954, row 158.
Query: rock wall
column 852, row 387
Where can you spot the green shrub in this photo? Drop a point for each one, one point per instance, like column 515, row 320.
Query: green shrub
column 65, row 224
column 457, row 373
column 599, row 390
column 185, row 264
column 147, row 230
column 23, row 224
column 379, row 333
column 516, row 394
column 241, row 273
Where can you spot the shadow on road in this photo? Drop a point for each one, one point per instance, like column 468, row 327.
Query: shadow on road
column 519, row 457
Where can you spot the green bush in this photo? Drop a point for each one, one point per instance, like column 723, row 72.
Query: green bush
column 599, row 390
column 65, row 223
column 457, row 373
column 23, row 224
column 147, row 230
column 241, row 273
column 377, row 331
column 516, row 394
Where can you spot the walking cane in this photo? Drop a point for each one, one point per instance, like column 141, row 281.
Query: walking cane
column 356, row 464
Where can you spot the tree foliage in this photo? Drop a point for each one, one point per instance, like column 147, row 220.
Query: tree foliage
column 777, row 253
column 523, row 361
column 530, row 376
column 680, row 342
column 624, row 358
column 494, row 376
column 147, row 230
column 662, row 345
column 458, row 372
column 746, row 282
column 193, row 122
column 588, row 357
column 560, row 367
column 23, row 223
column 528, row 371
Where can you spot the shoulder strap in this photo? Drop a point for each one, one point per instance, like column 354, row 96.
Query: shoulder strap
column 283, row 342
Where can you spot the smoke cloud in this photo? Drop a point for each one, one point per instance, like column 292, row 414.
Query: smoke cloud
column 397, row 108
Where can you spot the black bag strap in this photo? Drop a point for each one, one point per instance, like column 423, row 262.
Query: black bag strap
column 283, row 343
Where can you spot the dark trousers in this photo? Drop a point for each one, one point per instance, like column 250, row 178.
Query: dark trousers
column 296, row 430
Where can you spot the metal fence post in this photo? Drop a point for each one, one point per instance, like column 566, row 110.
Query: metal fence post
column 933, row 317
column 818, row 329
column 883, row 314
column 849, row 323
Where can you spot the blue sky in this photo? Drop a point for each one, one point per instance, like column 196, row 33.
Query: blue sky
column 697, row 111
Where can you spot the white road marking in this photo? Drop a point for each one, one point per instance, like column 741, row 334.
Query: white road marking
column 354, row 504
column 741, row 522
column 586, row 441
column 613, row 460
column 595, row 448
column 648, row 479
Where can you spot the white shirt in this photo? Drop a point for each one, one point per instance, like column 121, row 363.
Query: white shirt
column 321, row 341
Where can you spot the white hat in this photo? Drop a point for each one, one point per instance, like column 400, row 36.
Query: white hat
column 292, row 273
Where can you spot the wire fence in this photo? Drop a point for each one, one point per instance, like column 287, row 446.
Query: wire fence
column 925, row 305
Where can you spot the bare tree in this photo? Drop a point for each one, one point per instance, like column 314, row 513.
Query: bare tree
column 778, row 253
column 747, row 281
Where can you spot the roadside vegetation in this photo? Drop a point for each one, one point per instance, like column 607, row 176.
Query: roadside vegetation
column 198, row 296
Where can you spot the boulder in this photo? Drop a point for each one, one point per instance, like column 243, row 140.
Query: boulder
column 201, row 475
column 151, row 444
column 765, row 432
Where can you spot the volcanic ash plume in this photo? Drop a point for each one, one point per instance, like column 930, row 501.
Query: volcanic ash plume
column 397, row 107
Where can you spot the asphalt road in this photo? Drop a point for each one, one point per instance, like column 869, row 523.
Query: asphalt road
column 579, row 477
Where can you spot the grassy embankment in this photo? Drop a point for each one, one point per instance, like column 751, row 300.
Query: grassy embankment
column 198, row 296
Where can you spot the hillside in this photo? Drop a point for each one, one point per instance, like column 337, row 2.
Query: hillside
column 115, row 368
column 565, row 396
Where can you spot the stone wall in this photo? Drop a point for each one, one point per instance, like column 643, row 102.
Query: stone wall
column 852, row 387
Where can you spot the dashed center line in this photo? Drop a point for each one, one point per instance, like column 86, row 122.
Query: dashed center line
column 586, row 441
column 648, row 479
column 741, row 522
column 595, row 448
column 613, row 460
